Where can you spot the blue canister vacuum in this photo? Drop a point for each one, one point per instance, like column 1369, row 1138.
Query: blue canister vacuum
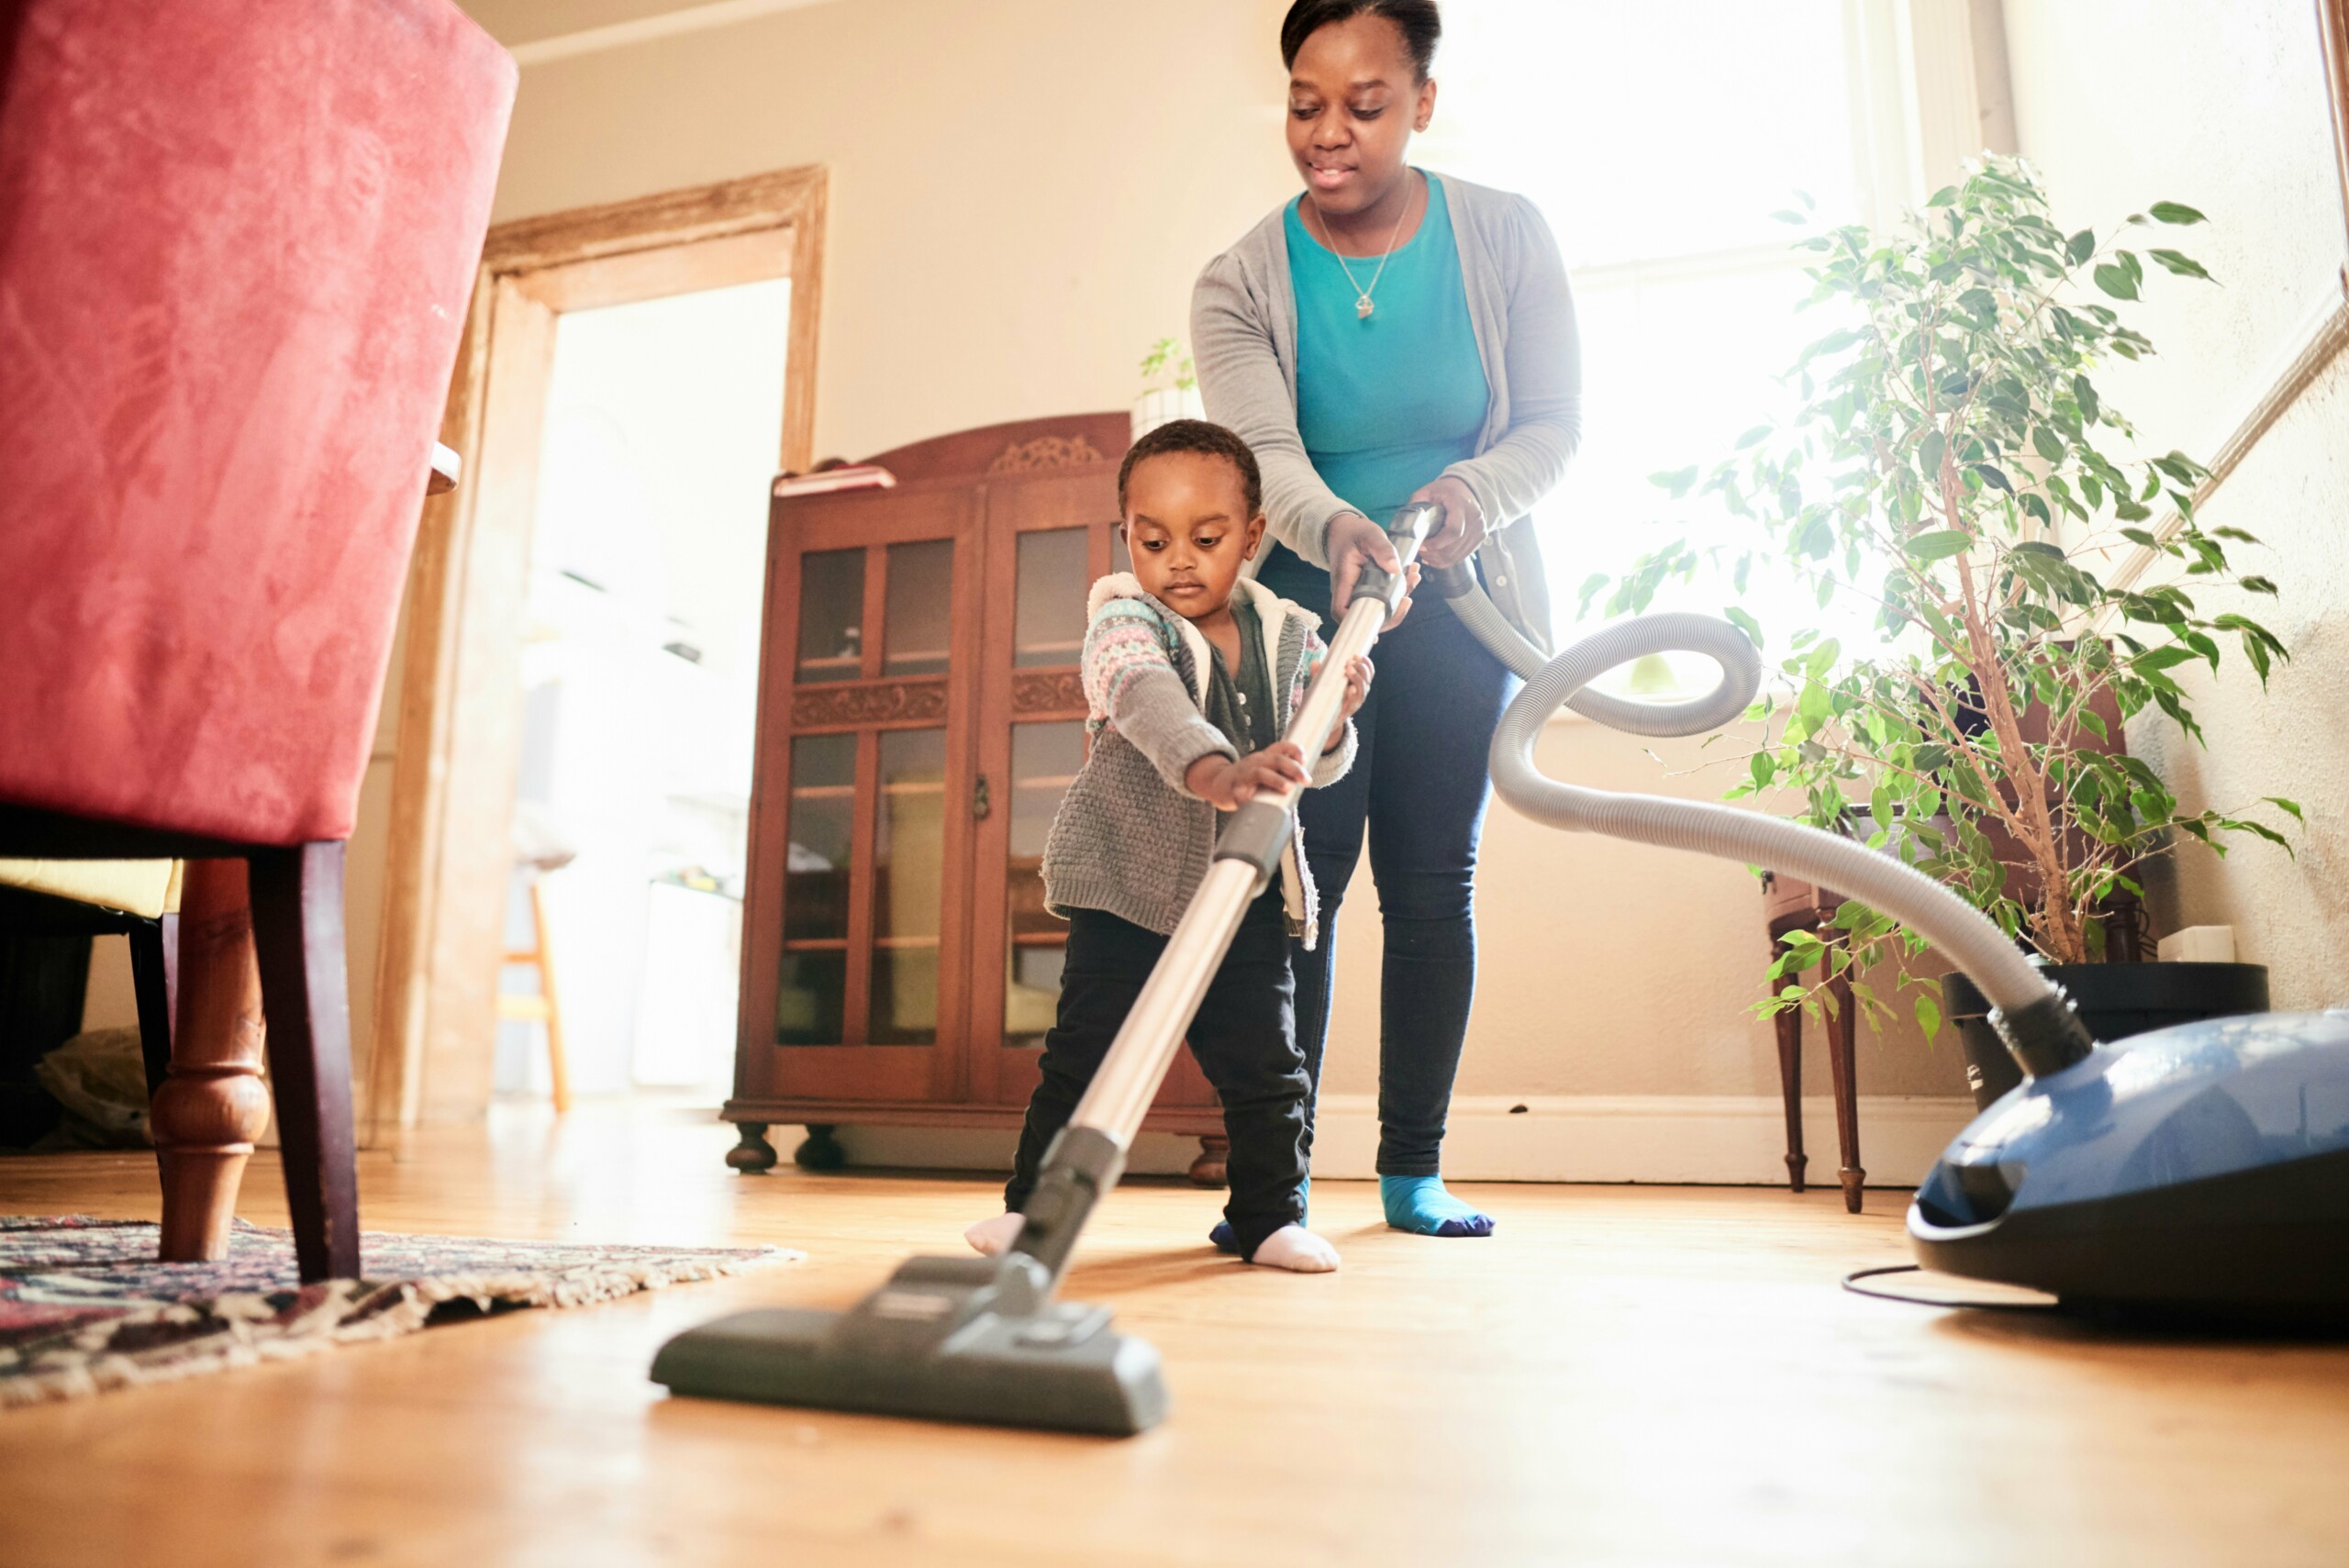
column 2199, row 1171
column 2196, row 1172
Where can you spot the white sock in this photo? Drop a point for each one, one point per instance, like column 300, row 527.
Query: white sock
column 994, row 1234
column 1298, row 1250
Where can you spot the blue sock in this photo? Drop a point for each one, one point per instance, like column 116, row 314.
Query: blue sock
column 1419, row 1204
column 1223, row 1240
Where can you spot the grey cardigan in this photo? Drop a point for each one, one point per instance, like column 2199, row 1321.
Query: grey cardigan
column 1243, row 337
column 1129, row 837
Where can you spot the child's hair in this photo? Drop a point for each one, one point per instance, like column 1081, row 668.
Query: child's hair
column 1203, row 438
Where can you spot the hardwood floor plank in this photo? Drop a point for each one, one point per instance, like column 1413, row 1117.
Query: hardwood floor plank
column 1622, row 1374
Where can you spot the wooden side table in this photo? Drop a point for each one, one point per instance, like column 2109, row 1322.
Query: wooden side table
column 1790, row 904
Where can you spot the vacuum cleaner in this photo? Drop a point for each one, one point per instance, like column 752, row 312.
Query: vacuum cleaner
column 2201, row 1170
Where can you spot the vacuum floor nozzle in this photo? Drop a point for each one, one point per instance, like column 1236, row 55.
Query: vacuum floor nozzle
column 974, row 1340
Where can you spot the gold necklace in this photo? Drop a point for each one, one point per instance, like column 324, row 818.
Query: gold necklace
column 1364, row 305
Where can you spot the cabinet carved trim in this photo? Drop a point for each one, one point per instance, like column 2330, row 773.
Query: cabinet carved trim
column 1047, row 690
column 1044, row 451
column 870, row 702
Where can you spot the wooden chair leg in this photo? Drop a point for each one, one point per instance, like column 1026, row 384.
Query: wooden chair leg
column 1790, row 1027
column 297, row 925
column 1843, row 1066
column 152, row 992
column 211, row 1104
column 558, row 1063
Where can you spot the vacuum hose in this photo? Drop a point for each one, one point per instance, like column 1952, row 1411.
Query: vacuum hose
column 2039, row 1024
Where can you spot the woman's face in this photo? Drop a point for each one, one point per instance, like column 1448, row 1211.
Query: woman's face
column 1354, row 98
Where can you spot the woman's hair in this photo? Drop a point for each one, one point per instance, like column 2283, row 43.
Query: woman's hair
column 1206, row 439
column 1421, row 23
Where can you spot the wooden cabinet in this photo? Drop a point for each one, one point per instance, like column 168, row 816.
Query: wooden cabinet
column 921, row 713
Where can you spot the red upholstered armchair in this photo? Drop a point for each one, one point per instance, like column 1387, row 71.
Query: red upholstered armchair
column 237, row 244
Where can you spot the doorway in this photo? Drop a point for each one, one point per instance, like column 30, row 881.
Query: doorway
column 541, row 605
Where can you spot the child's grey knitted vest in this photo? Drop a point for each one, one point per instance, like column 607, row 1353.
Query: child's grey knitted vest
column 1129, row 838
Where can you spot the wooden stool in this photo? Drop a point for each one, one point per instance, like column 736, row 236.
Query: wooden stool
column 545, row 1007
column 1792, row 904
column 540, row 846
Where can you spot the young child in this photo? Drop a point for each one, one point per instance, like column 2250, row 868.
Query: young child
column 1191, row 672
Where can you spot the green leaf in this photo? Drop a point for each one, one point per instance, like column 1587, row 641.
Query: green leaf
column 1752, row 436
column 1743, row 622
column 2080, row 246
column 2257, row 586
column 1931, row 449
column 1994, row 476
column 2288, row 806
column 2085, row 394
column 2174, row 212
column 1812, row 705
column 2115, row 281
column 1929, row 1016
column 2183, row 266
column 1830, row 344
column 2046, row 443
column 1939, row 545
column 1677, row 481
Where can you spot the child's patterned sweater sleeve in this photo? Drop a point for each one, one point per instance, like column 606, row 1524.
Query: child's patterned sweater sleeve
column 1132, row 687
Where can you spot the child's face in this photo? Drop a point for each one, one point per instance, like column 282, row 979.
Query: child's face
column 1188, row 528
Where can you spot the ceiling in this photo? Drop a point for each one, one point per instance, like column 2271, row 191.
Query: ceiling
column 518, row 23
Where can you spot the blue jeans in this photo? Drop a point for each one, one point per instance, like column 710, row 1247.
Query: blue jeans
column 1417, row 792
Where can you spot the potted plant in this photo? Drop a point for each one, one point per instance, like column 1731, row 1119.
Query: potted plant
column 1171, row 389
column 1951, row 469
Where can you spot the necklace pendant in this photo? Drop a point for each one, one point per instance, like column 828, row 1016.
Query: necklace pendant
column 1362, row 307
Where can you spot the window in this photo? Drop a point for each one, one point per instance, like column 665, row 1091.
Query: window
column 1659, row 139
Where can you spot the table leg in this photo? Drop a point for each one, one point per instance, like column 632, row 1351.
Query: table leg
column 1842, row 1065
column 1790, row 1027
column 212, row 1104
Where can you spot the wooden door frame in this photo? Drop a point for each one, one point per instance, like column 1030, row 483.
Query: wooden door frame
column 460, row 710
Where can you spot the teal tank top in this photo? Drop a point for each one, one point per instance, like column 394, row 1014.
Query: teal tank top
column 1387, row 402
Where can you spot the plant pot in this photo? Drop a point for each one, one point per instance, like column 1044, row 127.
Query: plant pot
column 2116, row 1000
column 1160, row 405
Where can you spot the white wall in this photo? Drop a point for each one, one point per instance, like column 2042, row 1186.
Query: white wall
column 1022, row 190
column 2221, row 103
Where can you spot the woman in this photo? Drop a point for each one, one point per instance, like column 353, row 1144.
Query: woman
column 1388, row 336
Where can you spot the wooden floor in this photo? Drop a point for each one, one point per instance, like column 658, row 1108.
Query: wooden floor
column 1623, row 1375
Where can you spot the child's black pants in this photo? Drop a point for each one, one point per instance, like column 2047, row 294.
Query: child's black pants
column 1244, row 1039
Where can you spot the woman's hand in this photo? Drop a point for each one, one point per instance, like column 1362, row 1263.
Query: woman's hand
column 1228, row 785
column 1357, row 687
column 1462, row 529
column 1355, row 542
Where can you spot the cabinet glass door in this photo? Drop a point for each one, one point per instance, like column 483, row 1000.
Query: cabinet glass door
column 876, row 805
column 1048, row 541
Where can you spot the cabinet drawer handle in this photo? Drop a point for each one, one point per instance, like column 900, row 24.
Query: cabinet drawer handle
column 980, row 804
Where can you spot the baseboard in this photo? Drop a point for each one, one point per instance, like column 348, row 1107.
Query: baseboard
column 1735, row 1140
column 1738, row 1140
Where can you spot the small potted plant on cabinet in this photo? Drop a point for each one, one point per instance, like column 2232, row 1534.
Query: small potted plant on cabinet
column 2032, row 582
column 1171, row 390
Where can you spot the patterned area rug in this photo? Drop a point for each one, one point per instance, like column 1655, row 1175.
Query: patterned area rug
column 84, row 1308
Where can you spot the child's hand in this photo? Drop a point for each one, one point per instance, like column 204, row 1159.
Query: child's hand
column 1358, row 674
column 1228, row 785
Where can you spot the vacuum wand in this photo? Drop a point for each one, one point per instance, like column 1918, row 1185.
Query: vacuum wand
column 1090, row 1156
